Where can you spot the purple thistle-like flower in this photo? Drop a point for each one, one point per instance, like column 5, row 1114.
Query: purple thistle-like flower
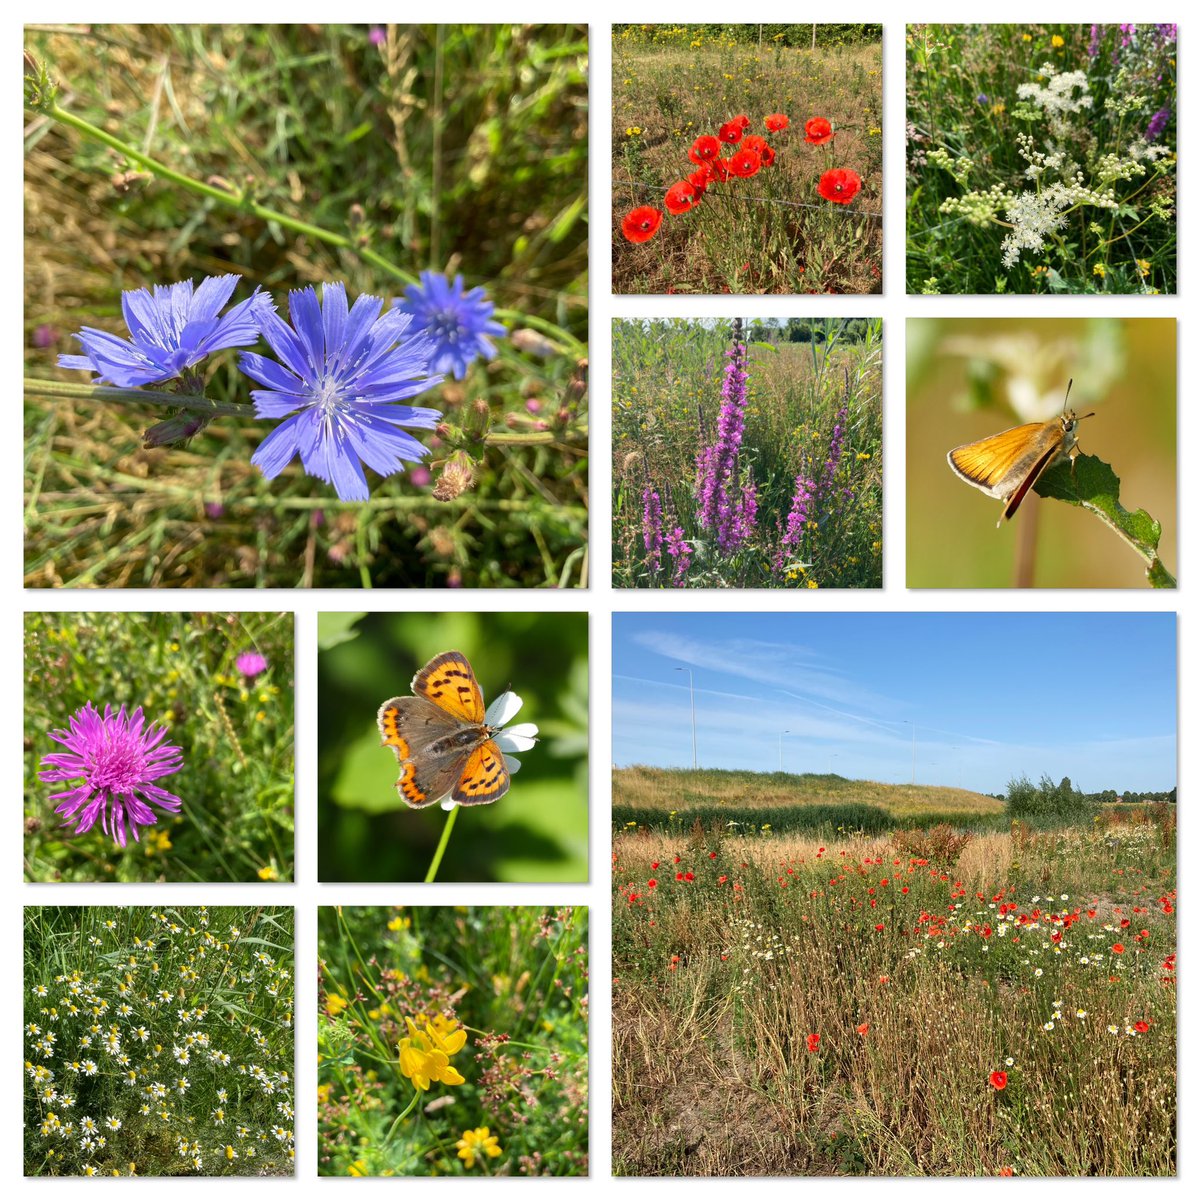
column 681, row 552
column 250, row 663
column 458, row 322
column 117, row 758
column 377, row 35
column 343, row 371
column 171, row 330
column 727, row 508
column 652, row 534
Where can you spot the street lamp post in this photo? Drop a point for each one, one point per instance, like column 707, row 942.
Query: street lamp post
column 781, row 750
column 692, row 695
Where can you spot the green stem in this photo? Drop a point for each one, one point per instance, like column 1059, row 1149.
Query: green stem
column 395, row 1124
column 58, row 389
column 238, row 200
column 431, row 874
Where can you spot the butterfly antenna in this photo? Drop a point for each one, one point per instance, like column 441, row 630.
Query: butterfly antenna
column 1068, row 395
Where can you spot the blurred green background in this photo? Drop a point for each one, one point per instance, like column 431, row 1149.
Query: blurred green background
column 537, row 833
column 962, row 376
column 237, row 779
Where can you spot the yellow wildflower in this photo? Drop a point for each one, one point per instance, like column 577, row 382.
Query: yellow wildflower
column 477, row 1142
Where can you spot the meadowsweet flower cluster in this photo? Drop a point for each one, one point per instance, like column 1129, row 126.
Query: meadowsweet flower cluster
column 340, row 376
column 159, row 1042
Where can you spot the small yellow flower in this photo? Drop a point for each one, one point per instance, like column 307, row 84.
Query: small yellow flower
column 267, row 873
column 357, row 1167
column 475, row 1143
column 1143, row 267
column 425, row 1054
column 1057, row 42
column 1100, row 269
column 334, row 1004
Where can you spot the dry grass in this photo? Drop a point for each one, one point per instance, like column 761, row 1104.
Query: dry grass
column 720, row 980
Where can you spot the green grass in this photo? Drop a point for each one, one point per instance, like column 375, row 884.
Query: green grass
column 509, row 990
column 461, row 148
column 168, row 1030
column 965, row 122
column 751, row 803
column 667, row 400
column 237, row 778
column 771, row 232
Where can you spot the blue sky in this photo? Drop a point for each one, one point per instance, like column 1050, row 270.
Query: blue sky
column 1087, row 695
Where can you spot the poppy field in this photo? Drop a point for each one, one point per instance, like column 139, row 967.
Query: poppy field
column 159, row 747
column 1042, row 159
column 452, row 1041
column 747, row 159
column 159, row 1041
column 930, row 1002
column 747, row 455
column 299, row 313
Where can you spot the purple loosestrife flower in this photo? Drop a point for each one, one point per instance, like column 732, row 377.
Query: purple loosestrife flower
column 836, row 440
column 171, row 330
column 1093, row 47
column 1158, row 123
column 343, row 371
column 723, row 508
column 117, row 758
column 797, row 519
column 459, row 323
column 250, row 663
column 681, row 552
column 652, row 534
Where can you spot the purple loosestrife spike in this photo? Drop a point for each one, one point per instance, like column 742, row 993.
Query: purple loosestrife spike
column 171, row 330
column 459, row 323
column 681, row 552
column 727, row 507
column 117, row 758
column 343, row 371
column 652, row 534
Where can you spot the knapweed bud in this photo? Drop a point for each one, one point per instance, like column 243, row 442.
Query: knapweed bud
column 457, row 475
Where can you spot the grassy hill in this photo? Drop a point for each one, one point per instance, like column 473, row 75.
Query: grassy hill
column 657, row 797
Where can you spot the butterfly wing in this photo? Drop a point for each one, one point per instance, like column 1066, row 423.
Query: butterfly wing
column 997, row 464
column 485, row 777
column 449, row 682
column 411, row 725
column 1035, row 473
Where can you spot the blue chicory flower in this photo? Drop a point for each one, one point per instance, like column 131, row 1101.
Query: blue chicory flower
column 343, row 372
column 459, row 322
column 172, row 329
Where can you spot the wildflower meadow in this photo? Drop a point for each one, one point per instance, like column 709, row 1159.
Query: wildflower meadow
column 306, row 306
column 747, row 158
column 452, row 1041
column 972, row 993
column 1042, row 159
column 747, row 455
column 159, row 1041
column 159, row 747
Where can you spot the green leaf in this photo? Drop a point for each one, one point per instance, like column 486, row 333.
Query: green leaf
column 334, row 628
column 1091, row 484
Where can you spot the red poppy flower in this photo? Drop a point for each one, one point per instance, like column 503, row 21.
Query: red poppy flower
column 840, row 186
column 745, row 163
column 1142, row 1026
column 680, row 198
column 704, row 149
column 731, row 132
column 752, row 141
column 1118, row 948
column 641, row 224
column 743, row 120
column 775, row 122
column 652, row 883
column 863, row 1029
column 818, row 131
column 700, row 178
column 768, row 156
column 654, row 866
column 720, row 169
column 814, row 1040
column 998, row 1080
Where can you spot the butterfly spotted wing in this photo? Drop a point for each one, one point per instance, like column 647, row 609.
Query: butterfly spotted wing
column 449, row 682
column 485, row 777
column 415, row 729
